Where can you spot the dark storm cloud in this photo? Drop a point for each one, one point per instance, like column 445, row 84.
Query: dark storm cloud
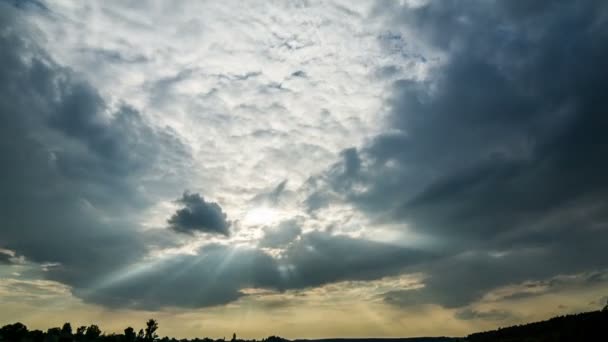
column 71, row 167
column 197, row 215
column 501, row 149
column 319, row 258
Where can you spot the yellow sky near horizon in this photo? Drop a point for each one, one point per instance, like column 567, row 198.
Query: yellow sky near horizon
column 346, row 309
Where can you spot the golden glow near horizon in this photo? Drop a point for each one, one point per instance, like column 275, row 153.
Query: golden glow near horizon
column 345, row 309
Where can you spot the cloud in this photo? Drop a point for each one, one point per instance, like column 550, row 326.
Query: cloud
column 283, row 234
column 319, row 258
column 37, row 292
column 219, row 274
column 497, row 154
column 214, row 276
column 491, row 149
column 75, row 168
column 491, row 315
column 197, row 215
column 5, row 258
column 100, row 162
column 275, row 196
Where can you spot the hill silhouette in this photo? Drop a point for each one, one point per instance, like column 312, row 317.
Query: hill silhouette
column 587, row 326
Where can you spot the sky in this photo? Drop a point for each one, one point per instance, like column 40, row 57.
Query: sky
column 302, row 168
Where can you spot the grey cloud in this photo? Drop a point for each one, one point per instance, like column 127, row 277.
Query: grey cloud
column 218, row 274
column 197, row 215
column 28, row 4
column 72, row 167
column 243, row 77
column 278, row 191
column 215, row 276
column 491, row 315
column 113, row 56
column 488, row 129
column 500, row 149
column 319, row 258
column 457, row 280
column 281, row 235
column 341, row 178
column 5, row 259
column 274, row 196
column 352, row 162
column 558, row 283
column 388, row 71
column 298, row 73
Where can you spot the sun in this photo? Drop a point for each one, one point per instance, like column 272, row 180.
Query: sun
column 260, row 216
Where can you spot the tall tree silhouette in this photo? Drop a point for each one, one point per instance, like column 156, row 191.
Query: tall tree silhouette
column 66, row 329
column 66, row 333
column 151, row 327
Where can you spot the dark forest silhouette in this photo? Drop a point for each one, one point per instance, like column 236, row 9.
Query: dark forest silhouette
column 587, row 326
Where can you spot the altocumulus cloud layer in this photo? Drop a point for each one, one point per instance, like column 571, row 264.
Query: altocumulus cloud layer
column 480, row 165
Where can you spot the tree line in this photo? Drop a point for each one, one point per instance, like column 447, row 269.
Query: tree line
column 587, row 326
column 18, row 332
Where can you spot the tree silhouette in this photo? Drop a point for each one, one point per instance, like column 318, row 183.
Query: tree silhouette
column 93, row 332
column 54, row 333
column 80, row 331
column 66, row 329
column 66, row 333
column 36, row 336
column 151, row 327
column 130, row 334
column 605, row 309
column 13, row 331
